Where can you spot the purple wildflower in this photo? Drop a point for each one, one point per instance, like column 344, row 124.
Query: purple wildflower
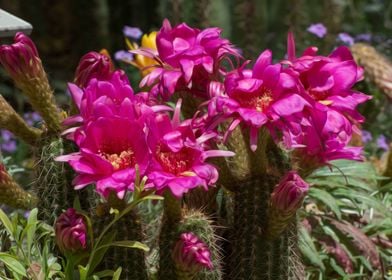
column 382, row 143
column 366, row 136
column 317, row 29
column 364, row 37
column 346, row 39
column 132, row 32
column 124, row 56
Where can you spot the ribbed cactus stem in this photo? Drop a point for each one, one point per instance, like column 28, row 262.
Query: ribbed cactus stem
column 131, row 261
column 52, row 186
column 253, row 255
column 168, row 236
column 12, row 194
column 11, row 121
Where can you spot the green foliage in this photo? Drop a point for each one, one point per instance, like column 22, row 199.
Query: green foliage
column 347, row 222
column 26, row 247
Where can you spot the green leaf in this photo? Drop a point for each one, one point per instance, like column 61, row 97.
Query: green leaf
column 7, row 223
column 104, row 273
column 308, row 249
column 152, row 197
column 363, row 199
column 101, row 251
column 31, row 229
column 117, row 274
column 131, row 244
column 327, row 199
column 13, row 264
column 82, row 272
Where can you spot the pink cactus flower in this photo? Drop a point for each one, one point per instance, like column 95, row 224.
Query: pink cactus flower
column 289, row 193
column 21, row 59
column 71, row 232
column 188, row 58
column 178, row 157
column 191, row 254
column 329, row 80
column 258, row 96
column 110, row 148
column 321, row 137
column 93, row 65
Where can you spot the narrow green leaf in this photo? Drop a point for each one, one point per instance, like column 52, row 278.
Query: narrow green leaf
column 327, row 199
column 82, row 272
column 308, row 249
column 7, row 223
column 104, row 273
column 101, row 251
column 117, row 274
column 131, row 244
column 153, row 197
column 31, row 229
column 13, row 264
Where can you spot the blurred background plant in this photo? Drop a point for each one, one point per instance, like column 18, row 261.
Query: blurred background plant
column 347, row 231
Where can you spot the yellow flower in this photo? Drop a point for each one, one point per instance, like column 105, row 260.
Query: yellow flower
column 144, row 63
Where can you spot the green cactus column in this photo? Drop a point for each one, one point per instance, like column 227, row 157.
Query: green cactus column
column 131, row 261
column 172, row 214
column 52, row 185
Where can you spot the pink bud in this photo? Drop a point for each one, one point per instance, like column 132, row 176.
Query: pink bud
column 289, row 193
column 21, row 59
column 71, row 231
column 93, row 65
column 191, row 254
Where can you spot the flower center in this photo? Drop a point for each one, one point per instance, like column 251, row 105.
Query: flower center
column 120, row 160
column 318, row 95
column 258, row 101
column 175, row 163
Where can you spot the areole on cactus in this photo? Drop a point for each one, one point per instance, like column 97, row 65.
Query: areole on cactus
column 259, row 128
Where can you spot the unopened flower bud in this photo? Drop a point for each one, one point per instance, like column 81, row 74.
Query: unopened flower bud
column 286, row 198
column 191, row 255
column 23, row 64
column 71, row 232
column 93, row 65
column 289, row 193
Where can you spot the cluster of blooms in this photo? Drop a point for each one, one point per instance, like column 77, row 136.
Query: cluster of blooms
column 307, row 104
column 120, row 133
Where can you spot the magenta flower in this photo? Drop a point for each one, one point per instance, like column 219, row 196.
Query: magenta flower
column 71, row 232
column 112, row 97
column 93, row 65
column 178, row 157
column 289, row 193
column 110, row 148
column 191, row 254
column 330, row 80
column 21, row 59
column 258, row 96
column 188, row 58
column 317, row 29
column 321, row 137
